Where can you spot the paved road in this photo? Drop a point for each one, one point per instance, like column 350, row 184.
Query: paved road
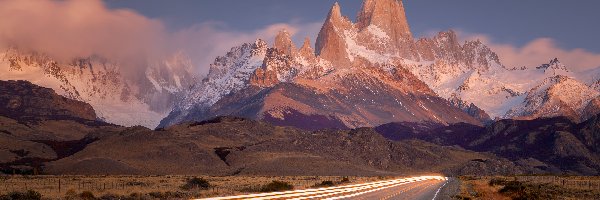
column 423, row 187
column 422, row 190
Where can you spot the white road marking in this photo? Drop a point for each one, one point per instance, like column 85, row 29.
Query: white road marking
column 331, row 192
column 438, row 191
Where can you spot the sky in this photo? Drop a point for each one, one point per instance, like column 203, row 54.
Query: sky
column 522, row 32
column 573, row 24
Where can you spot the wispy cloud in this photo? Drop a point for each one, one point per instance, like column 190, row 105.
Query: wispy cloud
column 537, row 52
column 208, row 40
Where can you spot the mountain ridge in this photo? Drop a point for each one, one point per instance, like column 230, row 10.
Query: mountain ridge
column 335, row 77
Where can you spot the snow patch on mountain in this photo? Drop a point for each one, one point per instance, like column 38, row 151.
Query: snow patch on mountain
column 227, row 74
column 99, row 82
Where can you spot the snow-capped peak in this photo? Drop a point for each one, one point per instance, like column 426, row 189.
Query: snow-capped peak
column 554, row 67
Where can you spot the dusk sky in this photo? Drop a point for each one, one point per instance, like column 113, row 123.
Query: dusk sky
column 521, row 32
column 570, row 23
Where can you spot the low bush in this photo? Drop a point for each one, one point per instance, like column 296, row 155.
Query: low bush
column 276, row 186
column 523, row 191
column 29, row 195
column 497, row 181
column 345, row 180
column 87, row 195
column 459, row 197
column 324, row 184
column 196, row 183
column 135, row 196
column 111, row 197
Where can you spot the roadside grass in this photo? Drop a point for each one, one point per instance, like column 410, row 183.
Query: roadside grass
column 161, row 187
column 510, row 188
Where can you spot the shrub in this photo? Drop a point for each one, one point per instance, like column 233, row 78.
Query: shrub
column 87, row 195
column 135, row 196
column 325, row 184
column 497, row 181
column 111, row 197
column 166, row 195
column 459, row 197
column 276, row 186
column 345, row 180
column 29, row 195
column 157, row 195
column 195, row 182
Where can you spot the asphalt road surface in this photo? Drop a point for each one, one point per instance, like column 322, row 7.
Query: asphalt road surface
column 423, row 187
column 422, row 190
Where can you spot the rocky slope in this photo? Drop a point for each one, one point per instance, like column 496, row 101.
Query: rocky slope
column 554, row 145
column 234, row 146
column 23, row 100
column 59, row 140
column 37, row 125
column 116, row 97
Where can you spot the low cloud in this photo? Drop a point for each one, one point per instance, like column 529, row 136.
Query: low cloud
column 208, row 40
column 80, row 28
column 67, row 29
column 537, row 52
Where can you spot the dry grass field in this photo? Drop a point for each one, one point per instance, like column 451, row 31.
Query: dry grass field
column 529, row 187
column 155, row 187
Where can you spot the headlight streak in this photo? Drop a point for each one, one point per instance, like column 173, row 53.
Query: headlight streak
column 330, row 192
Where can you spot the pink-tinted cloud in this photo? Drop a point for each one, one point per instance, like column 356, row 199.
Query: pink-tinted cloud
column 80, row 28
column 537, row 52
column 208, row 40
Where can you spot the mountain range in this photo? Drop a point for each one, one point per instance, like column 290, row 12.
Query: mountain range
column 360, row 73
column 45, row 133
column 372, row 71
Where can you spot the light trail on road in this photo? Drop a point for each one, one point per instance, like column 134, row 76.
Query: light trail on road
column 339, row 192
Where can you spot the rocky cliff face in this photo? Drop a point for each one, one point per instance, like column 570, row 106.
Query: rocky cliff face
column 24, row 100
column 331, row 43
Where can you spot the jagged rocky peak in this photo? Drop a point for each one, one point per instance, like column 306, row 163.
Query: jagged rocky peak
column 387, row 15
column 331, row 44
column 236, row 58
column 306, row 50
column 283, row 42
column 554, row 64
column 335, row 14
column 278, row 67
